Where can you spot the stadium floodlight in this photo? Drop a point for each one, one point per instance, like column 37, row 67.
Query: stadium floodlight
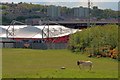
column 88, row 25
column 12, row 23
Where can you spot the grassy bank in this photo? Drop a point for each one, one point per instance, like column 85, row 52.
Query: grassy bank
column 31, row 63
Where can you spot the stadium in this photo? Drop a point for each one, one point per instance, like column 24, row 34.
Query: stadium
column 27, row 34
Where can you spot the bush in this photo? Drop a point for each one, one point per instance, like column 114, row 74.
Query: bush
column 99, row 40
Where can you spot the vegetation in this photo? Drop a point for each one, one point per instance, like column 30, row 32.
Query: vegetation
column 4, row 7
column 18, row 10
column 99, row 40
column 6, row 20
column 103, row 14
column 32, row 63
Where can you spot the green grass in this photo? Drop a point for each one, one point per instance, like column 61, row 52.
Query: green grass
column 32, row 63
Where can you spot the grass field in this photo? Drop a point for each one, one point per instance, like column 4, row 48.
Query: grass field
column 32, row 63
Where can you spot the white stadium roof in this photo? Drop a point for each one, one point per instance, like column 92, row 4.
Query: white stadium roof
column 3, row 32
column 26, row 31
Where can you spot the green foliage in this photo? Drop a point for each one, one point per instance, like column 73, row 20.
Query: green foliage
column 5, row 13
column 5, row 20
column 30, row 8
column 20, row 18
column 107, row 13
column 4, row 7
column 95, row 38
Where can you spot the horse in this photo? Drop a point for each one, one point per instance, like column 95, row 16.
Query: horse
column 85, row 63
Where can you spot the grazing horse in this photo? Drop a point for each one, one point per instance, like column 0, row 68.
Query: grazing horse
column 85, row 63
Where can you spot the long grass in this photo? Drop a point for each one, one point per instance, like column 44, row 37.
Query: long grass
column 32, row 63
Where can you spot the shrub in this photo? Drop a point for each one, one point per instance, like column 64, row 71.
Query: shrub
column 99, row 40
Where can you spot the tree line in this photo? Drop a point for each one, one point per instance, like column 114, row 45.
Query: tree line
column 16, row 11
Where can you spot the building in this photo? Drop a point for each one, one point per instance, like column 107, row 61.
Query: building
column 76, row 12
column 35, row 21
column 47, row 33
column 80, row 12
column 53, row 11
column 86, row 12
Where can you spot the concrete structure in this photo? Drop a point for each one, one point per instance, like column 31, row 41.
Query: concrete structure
column 80, row 12
column 35, row 21
column 82, row 23
column 53, row 11
column 86, row 12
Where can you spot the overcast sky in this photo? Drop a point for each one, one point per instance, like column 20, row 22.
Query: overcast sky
column 103, row 4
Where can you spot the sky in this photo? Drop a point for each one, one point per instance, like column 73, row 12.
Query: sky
column 102, row 4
